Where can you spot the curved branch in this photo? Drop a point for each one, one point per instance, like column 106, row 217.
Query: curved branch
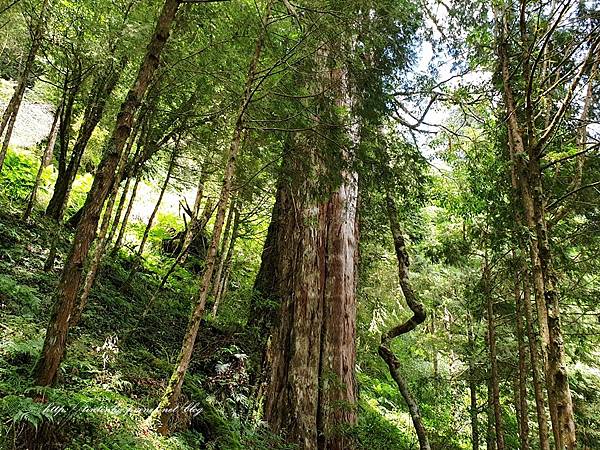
column 418, row 317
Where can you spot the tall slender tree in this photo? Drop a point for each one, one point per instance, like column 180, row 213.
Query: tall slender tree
column 68, row 287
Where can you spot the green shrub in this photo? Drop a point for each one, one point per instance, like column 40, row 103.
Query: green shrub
column 17, row 176
column 17, row 297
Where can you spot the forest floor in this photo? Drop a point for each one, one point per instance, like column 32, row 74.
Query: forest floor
column 110, row 379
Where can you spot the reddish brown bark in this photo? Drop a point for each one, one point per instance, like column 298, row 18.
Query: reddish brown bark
column 312, row 254
column 70, row 281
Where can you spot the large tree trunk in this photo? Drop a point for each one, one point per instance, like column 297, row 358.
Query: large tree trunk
column 12, row 109
column 418, row 317
column 312, row 253
column 70, row 281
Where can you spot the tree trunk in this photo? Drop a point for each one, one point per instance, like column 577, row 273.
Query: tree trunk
column 314, row 245
column 93, row 113
column 542, row 419
column 168, row 402
column 102, row 240
column 69, row 95
column 70, row 281
column 125, row 220
column 160, row 417
column 473, row 408
column 94, row 264
column 418, row 317
column 12, row 109
column 557, row 370
column 489, row 438
column 220, row 288
column 526, row 147
column 44, row 162
column 521, row 381
column 527, row 311
column 163, row 189
column 495, row 382
column 216, row 283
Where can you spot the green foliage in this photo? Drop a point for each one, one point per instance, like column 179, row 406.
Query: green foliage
column 17, row 177
column 374, row 430
column 16, row 297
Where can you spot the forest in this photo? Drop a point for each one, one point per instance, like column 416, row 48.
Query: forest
column 299, row 224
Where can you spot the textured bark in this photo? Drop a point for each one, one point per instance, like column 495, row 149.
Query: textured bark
column 418, row 317
column 12, row 109
column 44, row 162
column 525, row 154
column 311, row 394
column 309, row 263
column 70, row 280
